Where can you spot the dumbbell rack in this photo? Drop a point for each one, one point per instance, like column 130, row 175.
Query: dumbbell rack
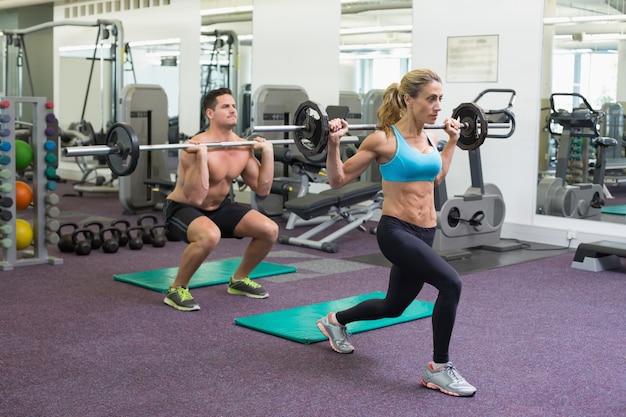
column 42, row 185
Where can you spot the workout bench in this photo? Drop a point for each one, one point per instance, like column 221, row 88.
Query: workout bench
column 338, row 204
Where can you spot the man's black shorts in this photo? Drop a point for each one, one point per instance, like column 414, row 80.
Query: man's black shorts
column 178, row 216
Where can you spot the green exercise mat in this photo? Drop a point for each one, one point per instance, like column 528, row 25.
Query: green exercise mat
column 299, row 324
column 621, row 210
column 209, row 273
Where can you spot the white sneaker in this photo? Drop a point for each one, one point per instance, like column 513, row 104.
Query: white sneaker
column 448, row 380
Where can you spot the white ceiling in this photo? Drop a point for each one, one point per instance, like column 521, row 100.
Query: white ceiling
column 565, row 7
column 368, row 13
column 574, row 6
column 11, row 4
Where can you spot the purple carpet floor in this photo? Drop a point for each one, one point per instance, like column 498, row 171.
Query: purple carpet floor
column 536, row 338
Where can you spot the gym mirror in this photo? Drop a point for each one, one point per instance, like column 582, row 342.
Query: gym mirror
column 375, row 44
column 89, row 70
column 581, row 155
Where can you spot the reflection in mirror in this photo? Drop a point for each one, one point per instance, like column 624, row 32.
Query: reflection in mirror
column 157, row 61
column 219, row 66
column 88, row 88
column 88, row 71
column 375, row 51
column 375, row 45
column 581, row 156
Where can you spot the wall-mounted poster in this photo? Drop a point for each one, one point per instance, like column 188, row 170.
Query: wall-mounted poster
column 472, row 59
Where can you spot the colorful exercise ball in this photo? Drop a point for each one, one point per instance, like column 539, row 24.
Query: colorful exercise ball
column 23, row 234
column 23, row 195
column 23, row 155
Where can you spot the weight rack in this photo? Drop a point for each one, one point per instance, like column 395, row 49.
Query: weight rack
column 43, row 142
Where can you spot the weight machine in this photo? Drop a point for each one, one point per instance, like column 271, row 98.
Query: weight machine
column 475, row 218
column 569, row 193
column 612, row 126
column 144, row 109
column 272, row 105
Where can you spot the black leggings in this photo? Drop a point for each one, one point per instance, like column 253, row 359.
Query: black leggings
column 409, row 249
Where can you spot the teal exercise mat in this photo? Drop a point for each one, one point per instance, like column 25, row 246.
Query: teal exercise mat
column 621, row 209
column 299, row 324
column 209, row 273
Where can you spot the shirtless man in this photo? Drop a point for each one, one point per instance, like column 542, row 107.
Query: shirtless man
column 199, row 210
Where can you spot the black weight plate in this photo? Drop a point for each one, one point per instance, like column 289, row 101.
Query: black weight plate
column 454, row 217
column 312, row 141
column 122, row 137
column 474, row 132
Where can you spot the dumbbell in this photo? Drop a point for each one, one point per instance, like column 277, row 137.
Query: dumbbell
column 52, row 225
column 52, row 199
column 52, row 239
column 5, row 215
column 6, row 187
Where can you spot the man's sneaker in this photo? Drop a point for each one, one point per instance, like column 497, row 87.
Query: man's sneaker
column 337, row 335
column 448, row 380
column 180, row 298
column 247, row 287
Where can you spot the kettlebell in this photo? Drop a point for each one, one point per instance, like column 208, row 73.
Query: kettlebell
column 141, row 221
column 82, row 246
column 123, row 235
column 110, row 244
column 96, row 242
column 135, row 237
column 158, row 235
column 66, row 242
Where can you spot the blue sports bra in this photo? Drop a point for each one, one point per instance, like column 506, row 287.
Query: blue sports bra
column 408, row 164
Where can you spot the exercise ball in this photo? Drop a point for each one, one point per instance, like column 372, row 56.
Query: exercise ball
column 23, row 234
column 23, row 155
column 23, row 195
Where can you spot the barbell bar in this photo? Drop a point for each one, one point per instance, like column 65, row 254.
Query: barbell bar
column 122, row 149
column 293, row 128
column 112, row 150
column 310, row 130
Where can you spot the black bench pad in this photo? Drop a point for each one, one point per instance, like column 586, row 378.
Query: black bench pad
column 314, row 205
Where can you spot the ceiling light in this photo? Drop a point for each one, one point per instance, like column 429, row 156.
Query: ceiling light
column 375, row 29
column 226, row 10
column 379, row 46
column 584, row 19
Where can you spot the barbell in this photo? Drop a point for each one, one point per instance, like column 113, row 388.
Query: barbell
column 310, row 130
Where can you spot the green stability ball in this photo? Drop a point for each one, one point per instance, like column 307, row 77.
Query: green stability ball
column 23, row 155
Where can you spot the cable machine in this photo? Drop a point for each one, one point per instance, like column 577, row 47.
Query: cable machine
column 215, row 74
column 82, row 132
column 16, row 39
